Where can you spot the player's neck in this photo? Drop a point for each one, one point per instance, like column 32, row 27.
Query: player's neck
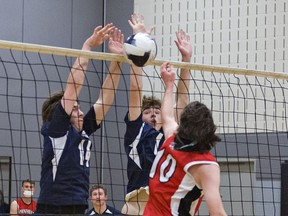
column 27, row 200
column 100, row 208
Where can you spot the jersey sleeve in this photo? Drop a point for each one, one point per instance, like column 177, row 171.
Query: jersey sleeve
column 132, row 128
column 59, row 123
column 90, row 124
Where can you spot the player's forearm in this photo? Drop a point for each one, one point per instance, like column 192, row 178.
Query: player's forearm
column 135, row 86
column 110, row 84
column 135, row 94
column 167, row 104
column 76, row 77
column 80, row 66
column 183, row 83
column 136, row 79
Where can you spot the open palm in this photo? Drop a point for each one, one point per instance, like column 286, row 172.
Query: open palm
column 183, row 44
column 116, row 41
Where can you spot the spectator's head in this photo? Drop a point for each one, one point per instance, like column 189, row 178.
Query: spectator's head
column 28, row 188
column 98, row 195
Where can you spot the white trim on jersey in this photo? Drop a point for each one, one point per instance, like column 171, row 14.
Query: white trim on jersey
column 158, row 139
column 134, row 153
column 58, row 145
column 185, row 186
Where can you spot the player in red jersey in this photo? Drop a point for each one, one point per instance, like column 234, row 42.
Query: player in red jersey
column 184, row 170
column 24, row 205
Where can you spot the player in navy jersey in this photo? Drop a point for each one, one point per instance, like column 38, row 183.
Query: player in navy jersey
column 64, row 184
column 98, row 197
column 184, row 169
column 144, row 135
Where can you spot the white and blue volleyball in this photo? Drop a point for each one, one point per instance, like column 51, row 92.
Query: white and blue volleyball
column 140, row 48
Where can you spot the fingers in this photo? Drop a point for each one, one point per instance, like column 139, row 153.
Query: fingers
column 116, row 35
column 169, row 68
column 121, row 38
column 104, row 31
column 177, row 44
column 163, row 66
column 140, row 19
column 107, row 28
column 167, row 73
column 166, row 67
column 182, row 36
column 137, row 18
column 151, row 30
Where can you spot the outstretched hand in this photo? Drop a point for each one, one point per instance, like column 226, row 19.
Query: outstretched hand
column 137, row 24
column 99, row 36
column 168, row 74
column 184, row 46
column 116, row 41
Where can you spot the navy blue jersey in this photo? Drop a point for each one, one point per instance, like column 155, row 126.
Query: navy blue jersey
column 109, row 211
column 141, row 142
column 65, row 161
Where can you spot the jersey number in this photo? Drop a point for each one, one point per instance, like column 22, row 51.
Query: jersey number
column 87, row 155
column 167, row 167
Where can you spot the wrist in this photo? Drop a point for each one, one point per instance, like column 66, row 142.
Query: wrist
column 186, row 59
column 86, row 47
column 169, row 87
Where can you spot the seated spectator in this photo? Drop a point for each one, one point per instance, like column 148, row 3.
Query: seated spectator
column 24, row 205
column 98, row 196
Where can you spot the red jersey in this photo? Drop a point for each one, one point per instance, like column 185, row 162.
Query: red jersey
column 172, row 189
column 26, row 209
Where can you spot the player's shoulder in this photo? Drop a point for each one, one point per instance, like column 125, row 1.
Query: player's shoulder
column 113, row 210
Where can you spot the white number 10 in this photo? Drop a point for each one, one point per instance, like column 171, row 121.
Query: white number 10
column 165, row 175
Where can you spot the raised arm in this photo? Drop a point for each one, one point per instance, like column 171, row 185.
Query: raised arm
column 77, row 75
column 182, row 96
column 110, row 84
column 135, row 101
column 167, row 115
column 137, row 24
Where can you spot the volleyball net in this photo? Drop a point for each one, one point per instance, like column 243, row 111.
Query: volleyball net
column 249, row 108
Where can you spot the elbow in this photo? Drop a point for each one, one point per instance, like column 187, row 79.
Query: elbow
column 83, row 65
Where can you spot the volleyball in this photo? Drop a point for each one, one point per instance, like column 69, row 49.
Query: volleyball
column 140, row 48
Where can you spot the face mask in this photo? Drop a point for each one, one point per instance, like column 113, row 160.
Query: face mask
column 28, row 193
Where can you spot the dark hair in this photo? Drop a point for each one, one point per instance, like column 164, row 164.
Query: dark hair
column 49, row 105
column 28, row 180
column 196, row 127
column 97, row 186
column 150, row 101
